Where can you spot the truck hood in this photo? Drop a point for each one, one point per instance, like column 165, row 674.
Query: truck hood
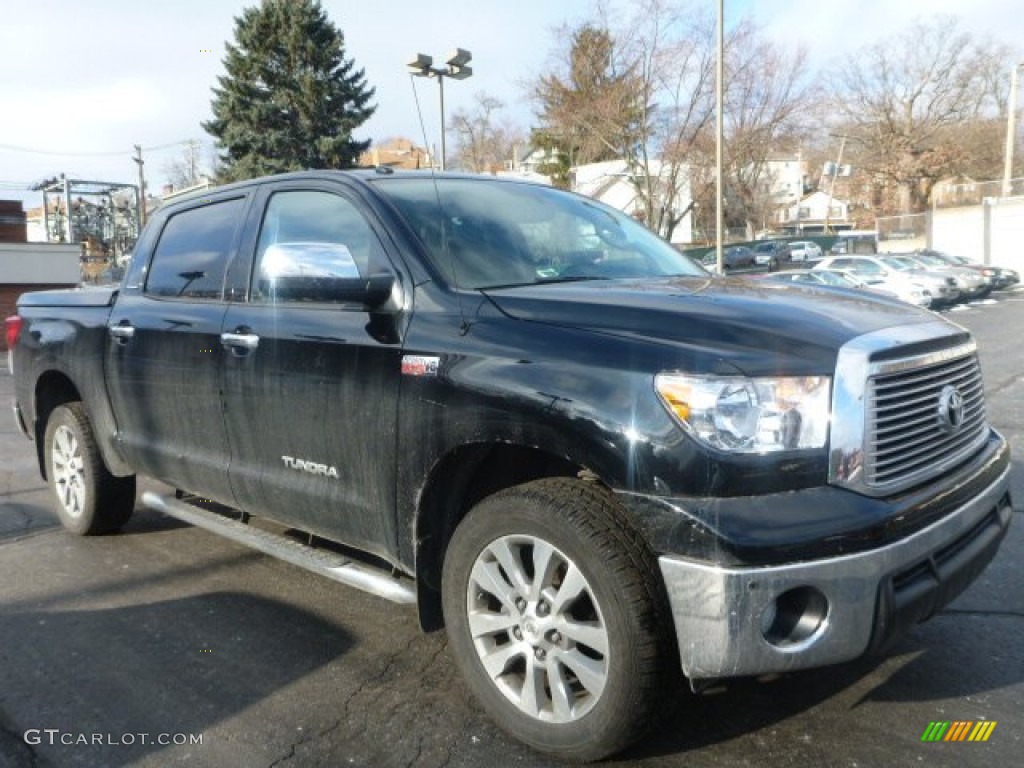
column 728, row 319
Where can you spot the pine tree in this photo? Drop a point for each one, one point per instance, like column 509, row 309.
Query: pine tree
column 289, row 99
column 591, row 113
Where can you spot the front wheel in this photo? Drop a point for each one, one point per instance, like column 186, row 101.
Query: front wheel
column 90, row 499
column 557, row 619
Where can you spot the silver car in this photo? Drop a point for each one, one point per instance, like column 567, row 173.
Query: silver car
column 898, row 273
column 972, row 284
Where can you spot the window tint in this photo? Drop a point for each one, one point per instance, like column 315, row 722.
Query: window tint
column 308, row 240
column 192, row 254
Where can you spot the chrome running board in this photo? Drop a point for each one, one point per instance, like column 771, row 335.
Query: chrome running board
column 320, row 561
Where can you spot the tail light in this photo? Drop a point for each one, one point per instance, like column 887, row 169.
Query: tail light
column 12, row 327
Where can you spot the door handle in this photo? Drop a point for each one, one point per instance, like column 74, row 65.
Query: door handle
column 122, row 332
column 240, row 341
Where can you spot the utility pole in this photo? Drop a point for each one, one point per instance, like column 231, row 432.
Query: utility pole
column 832, row 183
column 193, row 162
column 142, row 186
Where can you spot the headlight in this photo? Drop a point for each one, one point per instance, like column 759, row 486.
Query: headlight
column 741, row 415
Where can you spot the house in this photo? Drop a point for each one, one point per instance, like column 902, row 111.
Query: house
column 529, row 166
column 814, row 213
column 783, row 179
column 612, row 183
column 396, row 153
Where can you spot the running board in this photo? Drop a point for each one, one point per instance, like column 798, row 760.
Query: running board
column 320, row 561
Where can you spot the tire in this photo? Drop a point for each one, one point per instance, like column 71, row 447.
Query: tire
column 89, row 499
column 598, row 655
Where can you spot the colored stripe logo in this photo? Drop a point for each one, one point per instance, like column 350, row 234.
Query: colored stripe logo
column 959, row 730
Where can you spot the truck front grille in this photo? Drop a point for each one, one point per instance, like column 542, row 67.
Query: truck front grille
column 907, row 406
column 923, row 414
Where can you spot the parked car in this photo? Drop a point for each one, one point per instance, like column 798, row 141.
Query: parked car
column 734, row 257
column 1000, row 277
column 772, row 253
column 804, row 250
column 918, row 270
column 739, row 257
column 941, row 289
column 972, row 284
column 836, row 278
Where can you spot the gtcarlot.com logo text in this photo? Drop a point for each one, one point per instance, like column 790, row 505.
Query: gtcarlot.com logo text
column 55, row 737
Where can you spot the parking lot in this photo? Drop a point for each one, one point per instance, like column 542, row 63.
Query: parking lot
column 127, row 650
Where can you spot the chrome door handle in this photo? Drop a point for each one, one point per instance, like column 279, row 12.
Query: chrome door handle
column 121, row 332
column 240, row 340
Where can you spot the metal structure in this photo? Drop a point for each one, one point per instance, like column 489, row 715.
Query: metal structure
column 455, row 68
column 101, row 214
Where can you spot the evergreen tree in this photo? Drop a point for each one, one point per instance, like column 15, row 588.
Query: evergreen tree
column 289, row 99
column 594, row 111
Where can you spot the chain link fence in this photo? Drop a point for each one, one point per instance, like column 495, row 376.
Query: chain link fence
column 974, row 192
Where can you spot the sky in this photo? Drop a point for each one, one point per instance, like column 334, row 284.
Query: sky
column 81, row 83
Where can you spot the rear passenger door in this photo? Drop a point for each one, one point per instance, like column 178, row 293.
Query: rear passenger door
column 163, row 362
column 311, row 388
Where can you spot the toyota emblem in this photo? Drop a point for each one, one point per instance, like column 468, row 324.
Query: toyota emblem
column 951, row 409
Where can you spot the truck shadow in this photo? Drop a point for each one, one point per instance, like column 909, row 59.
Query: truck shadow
column 169, row 667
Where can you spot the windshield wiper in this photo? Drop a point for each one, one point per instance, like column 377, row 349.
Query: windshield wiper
column 545, row 281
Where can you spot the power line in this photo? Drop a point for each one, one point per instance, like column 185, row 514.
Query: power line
column 32, row 151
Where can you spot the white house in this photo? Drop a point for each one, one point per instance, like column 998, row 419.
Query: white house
column 610, row 182
column 783, row 179
column 812, row 212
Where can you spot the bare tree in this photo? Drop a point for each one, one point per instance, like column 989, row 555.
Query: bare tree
column 651, row 103
column 483, row 143
column 903, row 100
column 589, row 108
column 187, row 169
column 768, row 109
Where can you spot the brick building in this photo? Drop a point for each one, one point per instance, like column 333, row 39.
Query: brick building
column 13, row 228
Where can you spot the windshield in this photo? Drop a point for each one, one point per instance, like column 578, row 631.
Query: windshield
column 838, row 279
column 901, row 265
column 485, row 233
column 931, row 261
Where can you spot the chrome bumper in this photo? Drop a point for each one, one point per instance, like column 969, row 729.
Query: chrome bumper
column 729, row 621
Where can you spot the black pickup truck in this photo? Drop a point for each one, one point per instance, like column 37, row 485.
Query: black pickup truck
column 592, row 461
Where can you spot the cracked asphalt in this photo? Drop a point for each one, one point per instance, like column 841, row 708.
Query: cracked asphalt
column 166, row 632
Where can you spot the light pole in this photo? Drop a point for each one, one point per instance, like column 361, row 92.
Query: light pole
column 1011, row 129
column 720, row 139
column 455, row 68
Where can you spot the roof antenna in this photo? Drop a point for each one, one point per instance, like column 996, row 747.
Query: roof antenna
column 464, row 325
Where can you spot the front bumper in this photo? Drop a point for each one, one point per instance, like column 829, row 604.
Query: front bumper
column 733, row 621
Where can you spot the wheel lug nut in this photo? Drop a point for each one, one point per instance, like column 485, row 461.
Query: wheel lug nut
column 540, row 654
column 517, row 633
column 542, row 608
column 520, row 604
column 555, row 636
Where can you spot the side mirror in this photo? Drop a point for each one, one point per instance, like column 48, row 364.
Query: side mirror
column 320, row 272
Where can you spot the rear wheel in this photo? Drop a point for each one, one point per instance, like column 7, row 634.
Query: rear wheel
column 556, row 616
column 90, row 500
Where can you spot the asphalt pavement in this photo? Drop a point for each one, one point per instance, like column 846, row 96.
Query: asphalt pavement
column 166, row 645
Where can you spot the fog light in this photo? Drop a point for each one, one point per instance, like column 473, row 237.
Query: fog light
column 794, row 617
